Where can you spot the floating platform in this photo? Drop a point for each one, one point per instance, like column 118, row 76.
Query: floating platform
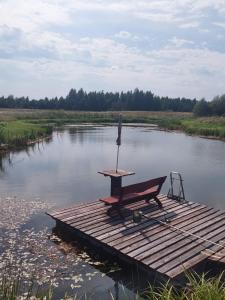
column 193, row 237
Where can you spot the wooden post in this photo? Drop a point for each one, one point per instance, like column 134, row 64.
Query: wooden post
column 116, row 184
column 116, row 179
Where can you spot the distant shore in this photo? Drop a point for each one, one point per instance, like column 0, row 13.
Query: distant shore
column 21, row 127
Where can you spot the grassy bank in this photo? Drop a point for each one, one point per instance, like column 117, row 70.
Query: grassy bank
column 19, row 133
column 19, row 126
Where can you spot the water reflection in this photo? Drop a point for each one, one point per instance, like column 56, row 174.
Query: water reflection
column 64, row 168
column 9, row 159
column 77, row 134
column 5, row 161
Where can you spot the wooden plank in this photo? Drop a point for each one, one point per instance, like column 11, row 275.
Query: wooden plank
column 150, row 232
column 149, row 243
column 108, row 225
column 86, row 223
column 186, row 245
column 218, row 255
column 106, row 238
column 170, row 209
column 188, row 262
column 114, row 233
column 102, row 210
column 129, row 208
column 171, row 237
column 78, row 221
column 59, row 212
column 78, row 212
column 116, row 173
column 141, row 229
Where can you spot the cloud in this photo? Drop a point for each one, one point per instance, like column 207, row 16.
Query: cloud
column 222, row 25
column 123, row 35
column 30, row 15
column 174, row 71
column 190, row 25
column 176, row 42
column 49, row 46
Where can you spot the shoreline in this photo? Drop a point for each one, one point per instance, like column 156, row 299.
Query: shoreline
column 4, row 148
column 21, row 128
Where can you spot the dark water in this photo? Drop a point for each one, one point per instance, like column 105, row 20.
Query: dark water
column 63, row 170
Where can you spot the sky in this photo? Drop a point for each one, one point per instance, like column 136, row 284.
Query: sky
column 174, row 48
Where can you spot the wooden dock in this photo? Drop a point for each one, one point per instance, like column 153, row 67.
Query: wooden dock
column 194, row 236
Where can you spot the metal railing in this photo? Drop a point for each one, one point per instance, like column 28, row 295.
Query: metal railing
column 176, row 193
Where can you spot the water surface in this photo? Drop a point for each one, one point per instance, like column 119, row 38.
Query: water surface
column 63, row 171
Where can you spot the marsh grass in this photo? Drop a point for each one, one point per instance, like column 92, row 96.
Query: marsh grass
column 18, row 133
column 17, row 127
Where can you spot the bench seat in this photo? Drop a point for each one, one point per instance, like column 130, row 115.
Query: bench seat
column 131, row 196
column 132, row 193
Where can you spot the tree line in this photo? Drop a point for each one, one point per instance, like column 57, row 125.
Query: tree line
column 214, row 107
column 136, row 100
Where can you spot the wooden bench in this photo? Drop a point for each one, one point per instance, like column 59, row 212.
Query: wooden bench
column 132, row 193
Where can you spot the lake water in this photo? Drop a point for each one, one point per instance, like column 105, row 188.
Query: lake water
column 63, row 170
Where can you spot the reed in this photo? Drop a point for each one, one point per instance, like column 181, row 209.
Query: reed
column 15, row 289
column 19, row 126
column 18, row 133
column 199, row 287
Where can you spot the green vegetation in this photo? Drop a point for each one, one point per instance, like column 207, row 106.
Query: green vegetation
column 198, row 288
column 18, row 133
column 20, row 127
column 213, row 127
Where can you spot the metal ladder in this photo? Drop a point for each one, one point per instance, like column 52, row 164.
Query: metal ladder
column 180, row 197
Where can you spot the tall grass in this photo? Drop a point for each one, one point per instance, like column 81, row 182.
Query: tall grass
column 16, row 289
column 199, row 287
column 19, row 126
column 204, row 127
column 18, row 133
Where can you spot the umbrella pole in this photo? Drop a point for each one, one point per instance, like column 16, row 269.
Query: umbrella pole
column 117, row 158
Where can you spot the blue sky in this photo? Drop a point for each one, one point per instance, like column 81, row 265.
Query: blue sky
column 173, row 48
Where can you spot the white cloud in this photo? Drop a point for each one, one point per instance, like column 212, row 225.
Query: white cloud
column 49, row 46
column 190, row 25
column 170, row 71
column 176, row 42
column 222, row 25
column 125, row 35
column 31, row 15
